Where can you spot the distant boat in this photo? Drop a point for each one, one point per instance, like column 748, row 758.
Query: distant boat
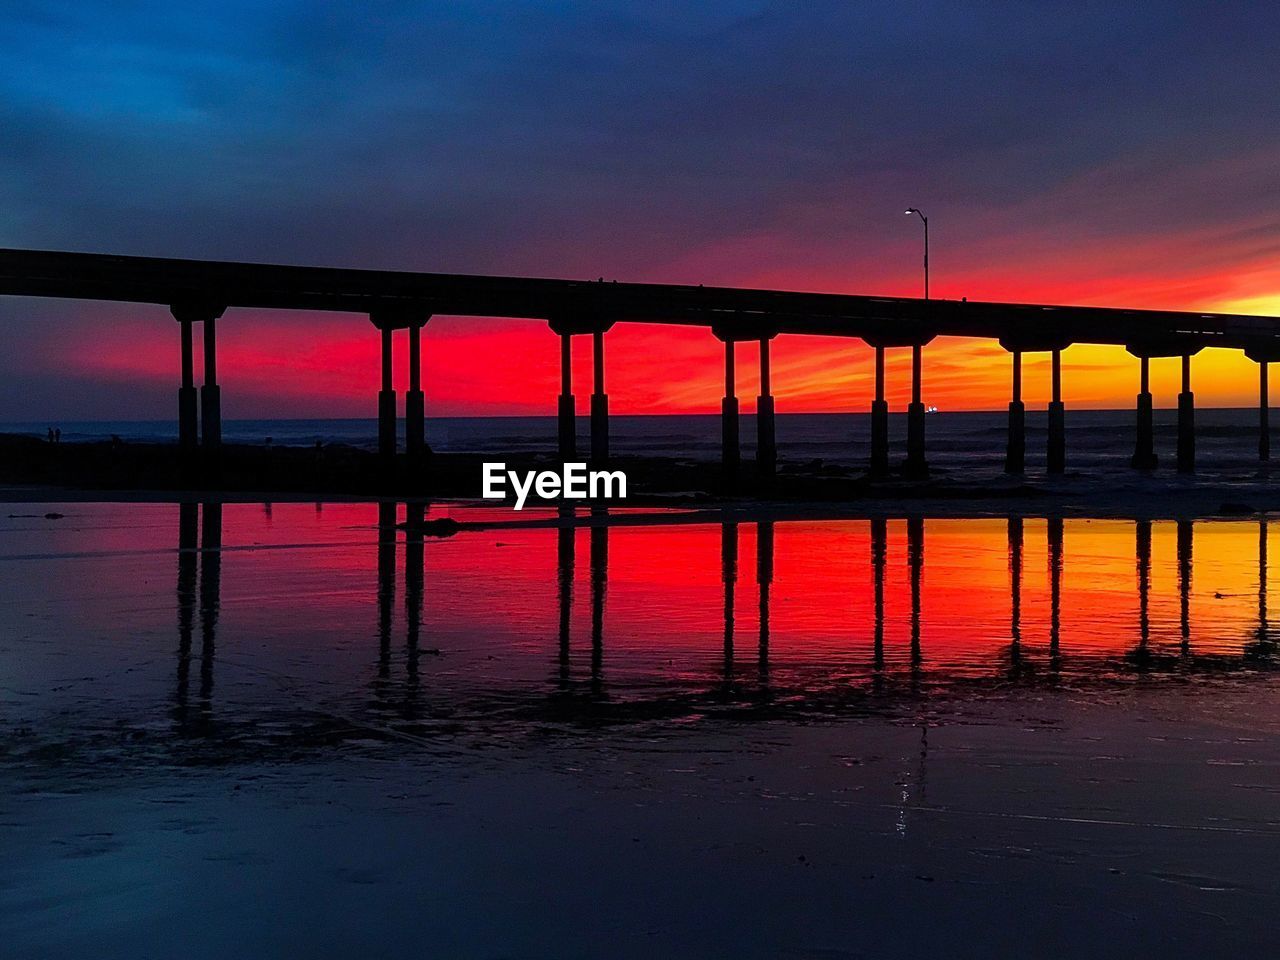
column 930, row 409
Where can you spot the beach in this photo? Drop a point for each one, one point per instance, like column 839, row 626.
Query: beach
column 290, row 727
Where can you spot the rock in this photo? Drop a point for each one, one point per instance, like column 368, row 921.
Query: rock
column 1234, row 509
column 443, row 527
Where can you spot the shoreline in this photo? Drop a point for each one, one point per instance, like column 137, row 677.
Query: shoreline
column 35, row 471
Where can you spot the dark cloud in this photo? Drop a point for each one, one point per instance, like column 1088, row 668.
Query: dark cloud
column 625, row 139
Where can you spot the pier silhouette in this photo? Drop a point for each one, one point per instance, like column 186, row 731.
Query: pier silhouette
column 202, row 292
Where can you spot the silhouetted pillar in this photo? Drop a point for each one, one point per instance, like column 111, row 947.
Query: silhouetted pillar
column 567, row 427
column 1056, row 459
column 415, row 405
column 766, row 446
column 386, row 403
column 210, row 399
column 1144, row 452
column 764, row 577
column 599, row 403
column 916, row 465
column 879, row 422
column 188, row 425
column 1186, row 421
column 1264, row 413
column 730, row 455
column 1016, row 451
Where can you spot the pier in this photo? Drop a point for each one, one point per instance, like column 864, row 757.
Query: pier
column 205, row 293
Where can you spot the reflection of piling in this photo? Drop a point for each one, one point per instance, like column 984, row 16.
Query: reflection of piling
column 1264, row 633
column 599, row 582
column 764, row 577
column 915, row 561
column 1015, row 589
column 1184, row 582
column 210, row 593
column 729, row 575
column 879, row 554
column 565, row 541
column 1055, row 590
column 188, row 524
column 414, row 560
column 1143, row 550
column 386, row 556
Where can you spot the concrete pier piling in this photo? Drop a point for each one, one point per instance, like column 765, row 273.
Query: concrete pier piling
column 1144, row 451
column 188, row 418
column 1186, row 421
column 599, row 403
column 730, row 450
column 566, row 414
column 1016, row 449
column 386, row 402
column 205, row 428
column 415, row 441
column 199, row 291
column 766, row 435
column 1056, row 455
column 917, row 466
column 879, row 422
column 1264, row 413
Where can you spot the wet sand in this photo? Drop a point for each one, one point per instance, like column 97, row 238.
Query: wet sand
column 1089, row 829
column 302, row 729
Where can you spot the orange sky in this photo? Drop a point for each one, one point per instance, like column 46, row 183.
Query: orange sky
column 327, row 365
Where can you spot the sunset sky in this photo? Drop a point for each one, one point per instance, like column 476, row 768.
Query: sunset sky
column 1109, row 154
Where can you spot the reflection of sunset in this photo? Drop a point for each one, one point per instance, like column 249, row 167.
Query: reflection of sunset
column 299, row 585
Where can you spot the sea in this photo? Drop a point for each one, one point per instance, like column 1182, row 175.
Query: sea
column 278, row 729
column 1226, row 439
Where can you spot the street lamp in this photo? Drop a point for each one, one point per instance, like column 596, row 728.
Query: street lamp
column 925, row 220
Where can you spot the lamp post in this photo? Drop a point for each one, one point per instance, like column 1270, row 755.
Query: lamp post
column 917, row 466
column 925, row 220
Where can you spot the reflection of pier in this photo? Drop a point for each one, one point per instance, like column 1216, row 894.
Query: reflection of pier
column 201, row 292
column 206, row 601
column 1157, row 633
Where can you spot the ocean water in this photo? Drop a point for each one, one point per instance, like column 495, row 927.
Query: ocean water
column 303, row 729
column 1227, row 439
